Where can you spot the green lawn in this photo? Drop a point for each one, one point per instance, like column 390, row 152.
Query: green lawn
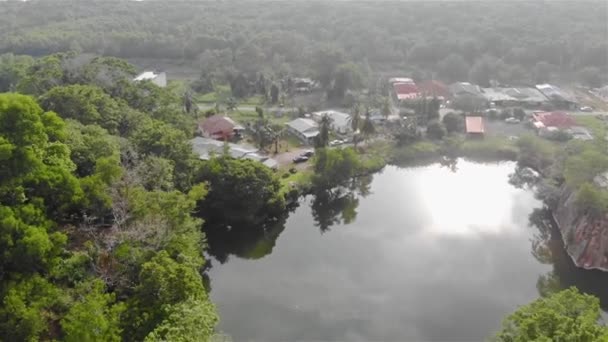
column 595, row 125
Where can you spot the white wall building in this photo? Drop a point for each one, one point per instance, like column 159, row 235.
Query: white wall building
column 158, row 78
column 340, row 122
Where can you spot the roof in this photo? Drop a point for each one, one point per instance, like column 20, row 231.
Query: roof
column 465, row 87
column 338, row 119
column 205, row 148
column 218, row 126
column 474, row 124
column 433, row 88
column 400, row 80
column 307, row 127
column 555, row 93
column 146, row 75
column 554, row 119
column 497, row 94
column 406, row 90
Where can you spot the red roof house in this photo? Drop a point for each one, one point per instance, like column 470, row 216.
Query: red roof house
column 474, row 125
column 406, row 91
column 217, row 127
column 560, row 120
column 433, row 88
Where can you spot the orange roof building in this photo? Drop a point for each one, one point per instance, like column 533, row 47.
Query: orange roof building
column 474, row 125
column 217, row 127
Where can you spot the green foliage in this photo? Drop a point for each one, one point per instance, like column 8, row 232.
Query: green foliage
column 164, row 283
column 334, row 166
column 239, row 189
column 584, row 165
column 193, row 320
column 87, row 144
column 87, row 104
column 535, row 152
column 26, row 308
column 435, row 130
column 94, row 316
column 12, row 70
column 565, row 316
column 453, row 122
column 592, row 199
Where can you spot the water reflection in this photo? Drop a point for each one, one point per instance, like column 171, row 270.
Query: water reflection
column 339, row 206
column 244, row 241
column 548, row 248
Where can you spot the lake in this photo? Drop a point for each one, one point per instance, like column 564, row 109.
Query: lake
column 427, row 253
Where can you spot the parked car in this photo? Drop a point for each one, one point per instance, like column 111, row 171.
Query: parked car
column 308, row 153
column 300, row 159
column 586, row 109
column 512, row 120
column 336, row 142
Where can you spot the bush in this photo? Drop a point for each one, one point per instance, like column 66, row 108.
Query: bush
column 435, row 130
column 559, row 135
column 504, row 114
column 519, row 113
column 453, row 123
column 492, row 114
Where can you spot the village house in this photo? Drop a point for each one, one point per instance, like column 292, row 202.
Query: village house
column 219, row 127
column 303, row 85
column 434, row 89
column 306, row 130
column 558, row 97
column 206, row 148
column 405, row 91
column 474, row 126
column 340, row 122
column 158, row 78
column 465, row 89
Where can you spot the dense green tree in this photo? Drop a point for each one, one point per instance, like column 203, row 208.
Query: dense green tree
column 94, row 316
column 453, row 68
column 435, row 130
column 84, row 103
column 591, row 77
column 367, row 127
column 334, row 166
column 565, row 316
column 193, row 320
column 453, row 122
column 12, row 70
column 87, row 144
column 239, row 189
column 322, row 140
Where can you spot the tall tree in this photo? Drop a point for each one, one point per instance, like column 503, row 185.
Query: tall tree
column 323, row 137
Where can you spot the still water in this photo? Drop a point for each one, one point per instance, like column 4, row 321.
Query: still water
column 419, row 254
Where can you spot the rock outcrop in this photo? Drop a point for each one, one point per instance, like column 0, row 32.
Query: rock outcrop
column 585, row 237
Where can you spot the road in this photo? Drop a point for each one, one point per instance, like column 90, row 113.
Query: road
column 247, row 108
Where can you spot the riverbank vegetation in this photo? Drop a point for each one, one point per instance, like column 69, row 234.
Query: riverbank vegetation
column 97, row 192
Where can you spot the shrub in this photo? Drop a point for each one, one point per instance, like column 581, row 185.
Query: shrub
column 435, row 130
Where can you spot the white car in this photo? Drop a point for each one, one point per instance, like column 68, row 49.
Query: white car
column 336, row 142
column 586, row 109
column 512, row 120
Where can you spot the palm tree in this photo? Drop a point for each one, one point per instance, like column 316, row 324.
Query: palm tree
column 368, row 126
column 386, row 107
column 355, row 122
column 323, row 137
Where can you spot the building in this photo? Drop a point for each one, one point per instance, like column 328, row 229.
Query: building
column 303, row 85
column 474, row 126
column 160, row 78
column 219, row 127
column 465, row 89
column 394, row 80
column 340, row 122
column 559, row 120
column 205, row 148
column 306, row 130
column 558, row 97
column 406, row 91
column 434, row 88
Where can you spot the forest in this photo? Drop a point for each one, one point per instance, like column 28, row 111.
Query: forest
column 522, row 42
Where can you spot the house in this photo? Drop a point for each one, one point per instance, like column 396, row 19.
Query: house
column 160, row 78
column 306, row 130
column 406, row 91
column 219, row 127
column 434, row 88
column 394, row 80
column 303, row 85
column 340, row 122
column 499, row 97
column 474, row 126
column 558, row 97
column 559, row 120
column 205, row 148
column 465, row 88
column 527, row 97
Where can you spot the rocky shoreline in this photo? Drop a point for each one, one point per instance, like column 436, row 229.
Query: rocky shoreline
column 585, row 237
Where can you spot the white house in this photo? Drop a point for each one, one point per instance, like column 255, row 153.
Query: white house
column 304, row 129
column 205, row 148
column 340, row 122
column 160, row 78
